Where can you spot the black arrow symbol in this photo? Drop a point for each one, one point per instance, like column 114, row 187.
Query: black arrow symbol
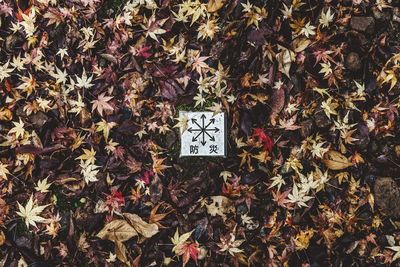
column 190, row 130
column 203, row 116
column 195, row 138
column 208, row 134
column 211, row 121
column 203, row 142
column 212, row 138
column 213, row 130
column 194, row 120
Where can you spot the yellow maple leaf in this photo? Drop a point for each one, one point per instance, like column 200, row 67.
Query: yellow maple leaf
column 3, row 171
column 105, row 127
column 88, row 156
column 18, row 129
column 30, row 213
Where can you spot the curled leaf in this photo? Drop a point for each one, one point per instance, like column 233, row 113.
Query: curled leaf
column 335, row 161
column 215, row 5
column 142, row 227
column 117, row 231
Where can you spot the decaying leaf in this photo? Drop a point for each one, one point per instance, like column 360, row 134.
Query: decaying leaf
column 285, row 58
column 215, row 5
column 335, row 160
column 142, row 227
column 117, row 231
column 218, row 205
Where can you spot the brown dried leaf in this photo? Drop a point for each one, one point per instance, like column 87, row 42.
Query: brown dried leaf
column 142, row 227
column 121, row 252
column 2, row 238
column 215, row 5
column 117, row 231
column 335, row 161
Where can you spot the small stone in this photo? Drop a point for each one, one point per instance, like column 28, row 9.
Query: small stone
column 362, row 136
column 307, row 128
column 380, row 15
column 356, row 38
column 363, row 24
column 321, row 120
column 13, row 41
column 170, row 139
column 252, row 178
column 39, row 119
column 242, row 209
column 387, row 196
column 353, row 61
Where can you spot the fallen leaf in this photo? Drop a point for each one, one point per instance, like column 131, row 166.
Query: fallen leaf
column 335, row 161
column 117, row 231
column 215, row 5
column 2, row 238
column 142, row 227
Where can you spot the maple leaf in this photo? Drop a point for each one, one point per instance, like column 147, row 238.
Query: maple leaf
column 111, row 258
column 88, row 155
column 53, row 225
column 62, row 52
column 319, row 151
column 105, row 127
column 326, row 18
column 5, row 71
column 281, row 198
column 390, row 76
column 100, row 104
column 153, row 27
column 182, row 123
column 115, row 201
column 54, row 16
column 157, row 217
column 308, row 30
column 302, row 239
column 263, row 138
column 183, row 247
column 277, row 181
column 230, row 244
column 298, row 197
column 77, row 105
column 287, row 12
column 158, row 166
column 30, row 213
column 207, row 30
column 89, row 171
column 42, row 186
column 326, row 69
column 198, row 63
column 60, row 76
column 84, row 81
column 329, row 107
column 3, row 171
column 18, row 129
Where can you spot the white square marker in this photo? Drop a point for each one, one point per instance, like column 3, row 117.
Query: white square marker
column 205, row 134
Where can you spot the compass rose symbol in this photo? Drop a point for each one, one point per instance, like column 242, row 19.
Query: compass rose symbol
column 203, row 130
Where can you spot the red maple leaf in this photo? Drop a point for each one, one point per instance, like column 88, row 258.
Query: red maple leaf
column 262, row 137
column 115, row 200
column 191, row 250
column 143, row 51
column 146, row 177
